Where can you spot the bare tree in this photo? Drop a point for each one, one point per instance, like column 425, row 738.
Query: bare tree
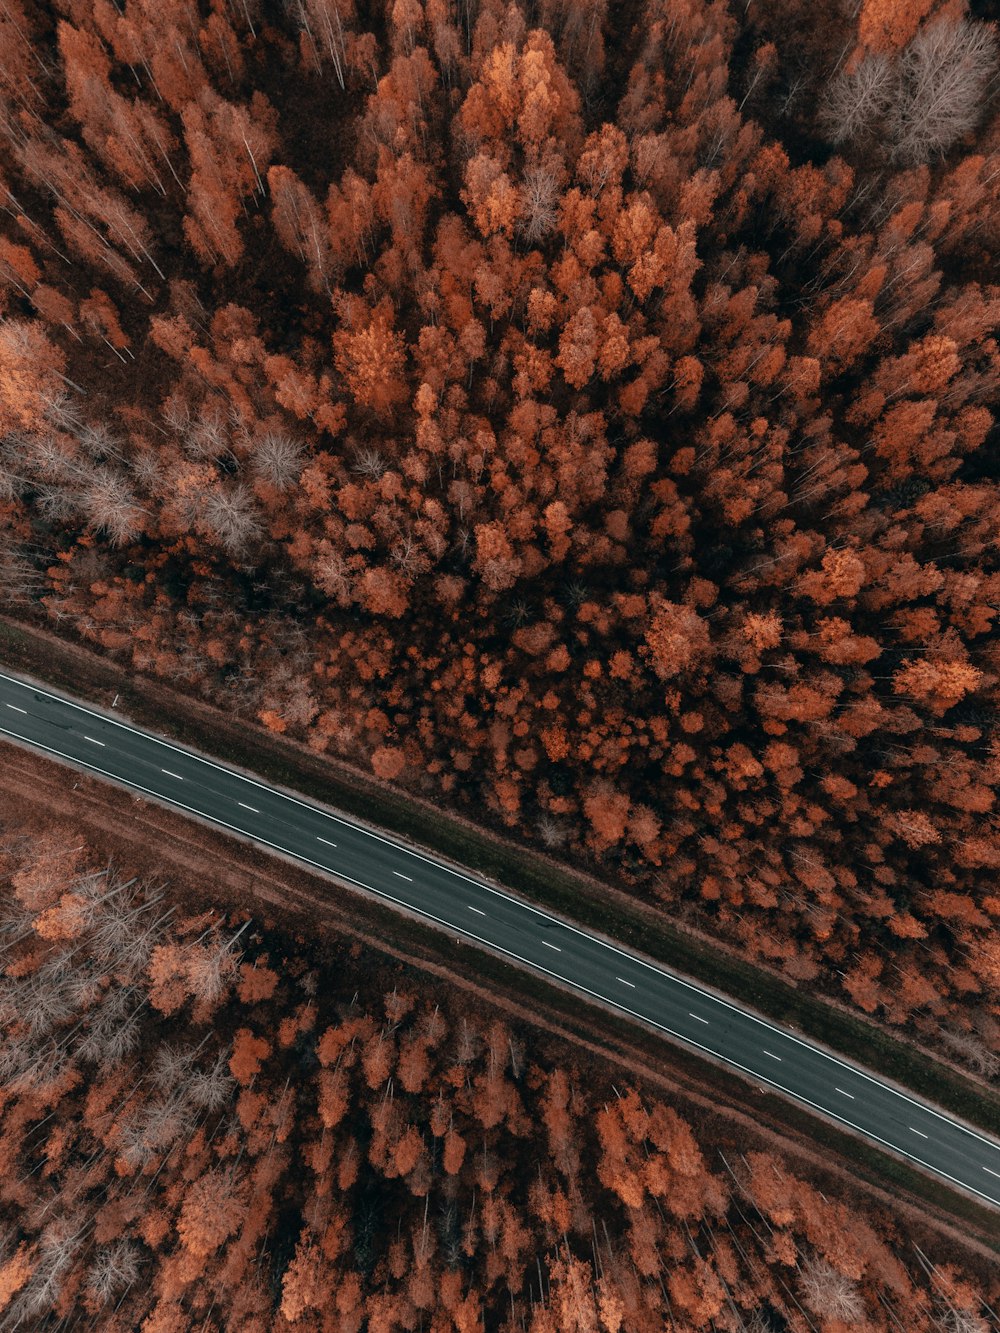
column 539, row 202
column 550, row 832
column 113, row 1031
column 19, row 579
column 229, row 516
column 58, row 1247
column 331, row 573
column 944, row 74
column 855, row 104
column 211, row 965
column 368, row 462
column 277, row 459
column 974, row 1052
column 64, row 413
column 114, row 1270
column 212, row 1088
column 964, row 1321
column 829, row 1293
column 208, row 436
column 110, row 505
column 171, row 1067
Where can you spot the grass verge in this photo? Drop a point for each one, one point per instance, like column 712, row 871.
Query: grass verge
column 83, row 673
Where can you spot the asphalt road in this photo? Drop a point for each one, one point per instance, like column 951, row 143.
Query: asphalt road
column 461, row 903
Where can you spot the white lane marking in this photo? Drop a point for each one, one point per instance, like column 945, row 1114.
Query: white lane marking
column 845, row 1094
column 920, row 1132
column 18, row 710
column 475, row 909
column 172, row 775
column 253, row 809
column 498, row 948
column 328, row 843
column 519, row 902
column 626, row 983
column 772, row 1054
column 552, row 946
column 698, row 1017
column 992, row 1173
column 93, row 742
column 402, row 876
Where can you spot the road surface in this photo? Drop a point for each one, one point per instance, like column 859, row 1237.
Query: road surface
column 465, row 905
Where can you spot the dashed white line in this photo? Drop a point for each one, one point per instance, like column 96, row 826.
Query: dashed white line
column 252, row 808
column 920, row 1132
column 18, row 710
column 992, row 1173
column 630, row 984
column 772, row 1055
column 326, row 840
column 475, row 909
column 172, row 775
column 93, row 742
column 402, row 876
column 698, row 1017
column 844, row 1094
column 552, row 946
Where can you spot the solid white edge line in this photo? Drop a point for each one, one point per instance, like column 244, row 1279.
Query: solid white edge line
column 604, row 999
column 172, row 775
column 552, row 946
column 93, row 742
column 18, row 710
column 328, row 843
column 402, row 876
column 252, row 808
column 520, row 902
column 698, row 1017
column 844, row 1094
column 477, row 910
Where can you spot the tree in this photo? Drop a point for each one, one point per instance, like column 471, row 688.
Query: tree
column 388, row 762
column 943, row 76
column 307, row 1283
column 607, row 810
column 856, row 101
column 229, row 146
column 677, row 639
column 249, row 1051
column 370, row 354
column 212, row 1210
column 30, row 368
column 301, row 227
column 939, row 684
column 828, row 1293
column 885, row 25
column 115, row 1269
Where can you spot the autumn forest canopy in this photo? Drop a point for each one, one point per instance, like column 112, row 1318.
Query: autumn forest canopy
column 580, row 414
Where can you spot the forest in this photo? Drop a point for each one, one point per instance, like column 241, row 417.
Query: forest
column 578, row 414
column 207, row 1125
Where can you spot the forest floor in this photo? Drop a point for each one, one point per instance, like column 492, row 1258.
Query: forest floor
column 586, row 900
column 204, row 868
